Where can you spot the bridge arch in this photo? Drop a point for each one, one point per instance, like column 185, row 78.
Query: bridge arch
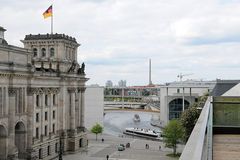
column 176, row 107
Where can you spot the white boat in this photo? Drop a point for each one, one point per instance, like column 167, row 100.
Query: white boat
column 146, row 133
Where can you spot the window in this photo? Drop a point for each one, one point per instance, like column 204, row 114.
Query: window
column 46, row 100
column 51, row 52
column 34, row 52
column 54, row 116
column 43, row 52
column 53, row 128
column 54, row 99
column 37, row 117
column 37, row 101
column 48, row 150
column 178, row 90
column 80, row 142
column 46, row 116
column 40, row 153
column 46, row 130
column 37, row 133
column 56, row 147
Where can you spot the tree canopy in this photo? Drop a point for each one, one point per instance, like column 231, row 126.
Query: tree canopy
column 96, row 129
column 173, row 133
column 190, row 116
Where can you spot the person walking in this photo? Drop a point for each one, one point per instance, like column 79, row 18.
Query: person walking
column 107, row 157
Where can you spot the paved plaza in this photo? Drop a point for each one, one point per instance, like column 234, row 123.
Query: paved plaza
column 97, row 150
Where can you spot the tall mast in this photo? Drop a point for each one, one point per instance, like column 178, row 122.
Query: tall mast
column 150, row 74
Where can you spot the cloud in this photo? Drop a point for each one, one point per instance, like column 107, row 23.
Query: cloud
column 118, row 37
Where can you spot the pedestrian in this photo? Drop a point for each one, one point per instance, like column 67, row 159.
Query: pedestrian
column 146, row 146
column 160, row 147
column 102, row 140
column 107, row 157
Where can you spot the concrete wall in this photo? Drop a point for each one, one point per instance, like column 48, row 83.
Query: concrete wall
column 94, row 106
column 235, row 91
column 169, row 93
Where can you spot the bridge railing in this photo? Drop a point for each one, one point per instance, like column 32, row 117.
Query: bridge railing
column 199, row 144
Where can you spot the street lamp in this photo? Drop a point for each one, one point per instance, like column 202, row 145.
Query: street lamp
column 61, row 146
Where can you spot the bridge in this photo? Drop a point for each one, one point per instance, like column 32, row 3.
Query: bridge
column 216, row 135
column 113, row 104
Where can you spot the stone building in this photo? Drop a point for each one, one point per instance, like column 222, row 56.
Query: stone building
column 42, row 91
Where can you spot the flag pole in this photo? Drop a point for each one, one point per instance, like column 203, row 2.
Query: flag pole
column 52, row 21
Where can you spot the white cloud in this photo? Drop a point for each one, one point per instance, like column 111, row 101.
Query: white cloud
column 119, row 36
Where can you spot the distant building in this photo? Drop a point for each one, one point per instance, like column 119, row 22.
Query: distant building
column 94, row 106
column 176, row 97
column 122, row 83
column 42, row 89
column 109, row 83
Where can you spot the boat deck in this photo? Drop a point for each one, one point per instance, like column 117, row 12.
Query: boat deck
column 226, row 147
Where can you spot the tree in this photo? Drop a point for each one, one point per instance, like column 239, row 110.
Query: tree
column 190, row 116
column 173, row 133
column 188, row 120
column 96, row 129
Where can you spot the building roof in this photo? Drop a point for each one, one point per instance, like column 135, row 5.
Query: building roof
column 49, row 36
column 2, row 29
column 223, row 86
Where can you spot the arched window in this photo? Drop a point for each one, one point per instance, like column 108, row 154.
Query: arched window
column 46, row 100
column 37, row 101
column 35, row 52
column 43, row 52
column 51, row 52
column 54, row 99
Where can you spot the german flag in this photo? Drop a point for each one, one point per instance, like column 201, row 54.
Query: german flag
column 48, row 12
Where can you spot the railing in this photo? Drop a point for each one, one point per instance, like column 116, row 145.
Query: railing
column 199, row 145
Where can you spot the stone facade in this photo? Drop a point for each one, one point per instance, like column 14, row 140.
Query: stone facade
column 42, row 89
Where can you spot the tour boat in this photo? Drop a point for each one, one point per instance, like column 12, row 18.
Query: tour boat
column 146, row 133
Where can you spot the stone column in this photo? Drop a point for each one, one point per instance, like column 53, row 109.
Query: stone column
column 79, row 108
column 82, row 90
column 72, row 108
column 30, row 105
column 11, row 121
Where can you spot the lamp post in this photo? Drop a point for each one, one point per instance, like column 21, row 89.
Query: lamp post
column 61, row 146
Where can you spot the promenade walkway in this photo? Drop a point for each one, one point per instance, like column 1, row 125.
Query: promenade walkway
column 226, row 147
column 97, row 150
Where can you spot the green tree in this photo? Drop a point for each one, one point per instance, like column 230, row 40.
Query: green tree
column 188, row 120
column 96, row 129
column 173, row 133
column 190, row 116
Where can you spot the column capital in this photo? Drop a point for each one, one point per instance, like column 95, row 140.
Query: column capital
column 72, row 89
column 81, row 89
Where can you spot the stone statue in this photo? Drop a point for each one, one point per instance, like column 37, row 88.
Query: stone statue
column 81, row 70
column 72, row 68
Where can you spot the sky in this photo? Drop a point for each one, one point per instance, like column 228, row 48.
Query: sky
column 118, row 37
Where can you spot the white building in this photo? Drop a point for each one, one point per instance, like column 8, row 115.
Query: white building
column 94, row 106
column 173, row 95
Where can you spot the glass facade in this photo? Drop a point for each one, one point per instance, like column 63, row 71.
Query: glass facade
column 176, row 107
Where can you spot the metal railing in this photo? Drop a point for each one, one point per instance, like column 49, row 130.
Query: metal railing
column 199, row 145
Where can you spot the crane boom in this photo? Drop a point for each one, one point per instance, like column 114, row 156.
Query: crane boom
column 180, row 76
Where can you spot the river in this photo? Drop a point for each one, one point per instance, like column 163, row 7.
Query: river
column 115, row 122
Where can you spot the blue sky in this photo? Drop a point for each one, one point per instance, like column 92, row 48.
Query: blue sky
column 119, row 36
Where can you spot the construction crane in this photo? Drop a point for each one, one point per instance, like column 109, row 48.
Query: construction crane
column 180, row 76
